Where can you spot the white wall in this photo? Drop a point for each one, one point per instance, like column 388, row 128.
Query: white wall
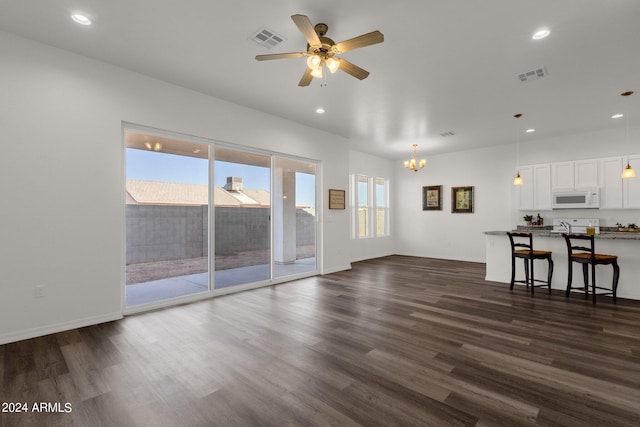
column 62, row 179
column 375, row 167
column 442, row 234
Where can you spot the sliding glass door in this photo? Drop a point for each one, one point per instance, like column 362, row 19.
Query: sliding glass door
column 166, row 215
column 255, row 212
column 294, row 217
column 242, row 209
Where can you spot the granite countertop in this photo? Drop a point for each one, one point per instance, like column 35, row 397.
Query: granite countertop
column 546, row 232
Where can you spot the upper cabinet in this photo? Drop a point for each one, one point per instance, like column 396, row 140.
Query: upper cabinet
column 611, row 183
column 631, row 186
column 540, row 181
column 562, row 176
column 585, row 174
column 535, row 191
column 525, row 191
column 542, row 187
column 580, row 174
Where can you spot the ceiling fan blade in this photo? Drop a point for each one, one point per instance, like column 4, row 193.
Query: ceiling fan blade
column 280, row 56
column 306, row 78
column 353, row 70
column 368, row 39
column 306, row 27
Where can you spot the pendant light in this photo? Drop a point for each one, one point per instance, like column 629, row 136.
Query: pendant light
column 413, row 164
column 628, row 171
column 518, row 179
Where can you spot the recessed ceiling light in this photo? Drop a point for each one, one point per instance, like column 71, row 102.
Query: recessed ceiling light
column 617, row 116
column 320, row 110
column 530, row 130
column 81, row 19
column 540, row 34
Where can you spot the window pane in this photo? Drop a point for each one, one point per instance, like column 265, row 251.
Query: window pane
column 381, row 206
column 363, row 206
column 242, row 198
column 294, row 217
column 167, row 190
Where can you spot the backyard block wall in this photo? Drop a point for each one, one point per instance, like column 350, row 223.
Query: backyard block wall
column 161, row 233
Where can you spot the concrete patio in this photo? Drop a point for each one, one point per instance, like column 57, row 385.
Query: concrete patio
column 188, row 284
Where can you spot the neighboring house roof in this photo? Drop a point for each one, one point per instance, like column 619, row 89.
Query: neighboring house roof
column 167, row 193
column 263, row 197
column 171, row 193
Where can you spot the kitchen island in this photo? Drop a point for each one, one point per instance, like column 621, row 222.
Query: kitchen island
column 626, row 245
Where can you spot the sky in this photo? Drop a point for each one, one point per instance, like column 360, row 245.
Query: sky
column 154, row 166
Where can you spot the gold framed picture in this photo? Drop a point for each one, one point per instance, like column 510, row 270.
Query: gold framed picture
column 462, row 199
column 336, row 199
column 432, row 198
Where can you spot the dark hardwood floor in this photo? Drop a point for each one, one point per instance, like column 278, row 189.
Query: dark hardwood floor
column 394, row 341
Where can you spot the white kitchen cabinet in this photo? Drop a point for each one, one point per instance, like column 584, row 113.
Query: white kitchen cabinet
column 535, row 191
column 631, row 186
column 525, row 191
column 610, row 182
column 585, row 173
column 581, row 174
column 562, row 176
column 542, row 187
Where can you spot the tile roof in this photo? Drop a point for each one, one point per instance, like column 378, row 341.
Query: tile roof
column 173, row 193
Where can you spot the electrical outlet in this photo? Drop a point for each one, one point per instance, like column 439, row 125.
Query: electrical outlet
column 39, row 291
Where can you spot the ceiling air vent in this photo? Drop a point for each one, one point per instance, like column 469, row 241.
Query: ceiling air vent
column 536, row 74
column 267, row 38
column 449, row 133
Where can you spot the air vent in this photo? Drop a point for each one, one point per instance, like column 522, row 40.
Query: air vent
column 536, row 74
column 267, row 38
column 450, row 133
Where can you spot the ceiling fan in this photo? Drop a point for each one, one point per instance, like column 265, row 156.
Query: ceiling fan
column 322, row 50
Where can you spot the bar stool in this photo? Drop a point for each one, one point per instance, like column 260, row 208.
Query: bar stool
column 528, row 255
column 587, row 257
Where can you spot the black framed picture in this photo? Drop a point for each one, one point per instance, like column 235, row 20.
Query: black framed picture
column 462, row 199
column 432, row 198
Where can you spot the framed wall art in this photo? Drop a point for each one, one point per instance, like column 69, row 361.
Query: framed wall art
column 462, row 199
column 336, row 199
column 432, row 198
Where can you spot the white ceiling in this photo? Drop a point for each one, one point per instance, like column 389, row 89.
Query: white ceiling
column 445, row 65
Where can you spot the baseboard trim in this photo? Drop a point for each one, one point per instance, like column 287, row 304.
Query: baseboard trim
column 58, row 327
column 466, row 259
column 336, row 269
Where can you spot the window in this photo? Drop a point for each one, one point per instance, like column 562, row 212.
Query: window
column 363, row 206
column 370, row 206
column 382, row 207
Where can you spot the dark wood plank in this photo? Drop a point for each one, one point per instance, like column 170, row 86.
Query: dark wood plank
column 394, row 341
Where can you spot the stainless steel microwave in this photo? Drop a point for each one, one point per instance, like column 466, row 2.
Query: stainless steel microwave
column 576, row 199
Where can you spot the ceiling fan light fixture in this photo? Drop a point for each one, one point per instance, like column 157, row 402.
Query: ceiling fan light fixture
column 332, row 64
column 317, row 72
column 314, row 61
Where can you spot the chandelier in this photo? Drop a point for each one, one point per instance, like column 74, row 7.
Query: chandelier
column 413, row 164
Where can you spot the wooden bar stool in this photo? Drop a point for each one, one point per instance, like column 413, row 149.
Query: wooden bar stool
column 587, row 257
column 524, row 249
